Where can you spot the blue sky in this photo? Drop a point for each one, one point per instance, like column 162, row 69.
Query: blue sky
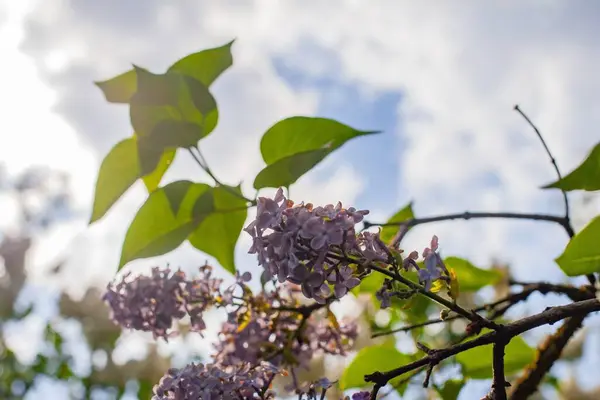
column 439, row 80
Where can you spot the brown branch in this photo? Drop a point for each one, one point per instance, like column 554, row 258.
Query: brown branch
column 405, row 225
column 548, row 353
column 470, row 315
column 550, row 316
column 499, row 381
column 574, row 293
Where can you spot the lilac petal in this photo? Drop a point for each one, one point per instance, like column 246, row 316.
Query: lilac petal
column 431, row 263
column 307, row 291
column 352, row 282
column 315, row 279
column 279, row 195
column 340, row 290
column 313, row 226
column 318, row 242
column 325, row 290
column 300, row 273
column 345, row 272
column 336, row 236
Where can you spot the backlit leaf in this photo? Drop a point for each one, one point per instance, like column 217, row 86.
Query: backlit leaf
column 152, row 180
column 156, row 229
column 470, row 278
column 585, row 177
column 371, row 359
column 293, row 146
column 582, row 254
column 218, row 234
column 205, row 66
column 287, row 170
column 118, row 171
column 404, row 214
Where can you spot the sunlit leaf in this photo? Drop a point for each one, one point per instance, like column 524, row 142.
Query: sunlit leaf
column 156, row 229
column 371, row 359
column 404, row 214
column 294, row 145
column 454, row 291
column 582, row 254
column 218, row 234
column 118, row 171
column 469, row 276
column 585, row 177
column 205, row 66
column 119, row 89
column 171, row 97
column 287, row 170
column 152, row 180
column 477, row 362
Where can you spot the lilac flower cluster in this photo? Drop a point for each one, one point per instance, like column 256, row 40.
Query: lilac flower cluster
column 434, row 266
column 152, row 303
column 269, row 328
column 434, row 270
column 210, row 381
column 312, row 247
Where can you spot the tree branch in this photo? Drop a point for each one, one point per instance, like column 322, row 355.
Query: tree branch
column 548, row 353
column 468, row 215
column 499, row 381
column 472, row 315
column 549, row 316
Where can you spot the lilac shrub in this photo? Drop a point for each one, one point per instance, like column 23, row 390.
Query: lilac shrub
column 309, row 253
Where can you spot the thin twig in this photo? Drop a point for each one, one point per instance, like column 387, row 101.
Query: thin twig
column 512, row 298
column 567, row 219
column 472, row 316
column 467, row 215
column 549, row 316
column 199, row 158
column 552, row 160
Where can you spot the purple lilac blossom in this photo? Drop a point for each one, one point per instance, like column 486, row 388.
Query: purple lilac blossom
column 316, row 248
column 279, row 336
column 152, row 303
column 434, row 266
column 204, row 382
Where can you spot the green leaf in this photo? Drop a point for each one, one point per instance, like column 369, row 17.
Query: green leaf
column 585, row 177
column 152, row 180
column 477, row 362
column 388, row 232
column 119, row 89
column 171, row 97
column 293, row 146
column 206, row 65
column 169, row 111
column 471, row 278
column 371, row 359
column 164, row 221
column 301, row 134
column 286, row 171
column 582, row 254
column 218, row 234
column 451, row 389
column 118, row 171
